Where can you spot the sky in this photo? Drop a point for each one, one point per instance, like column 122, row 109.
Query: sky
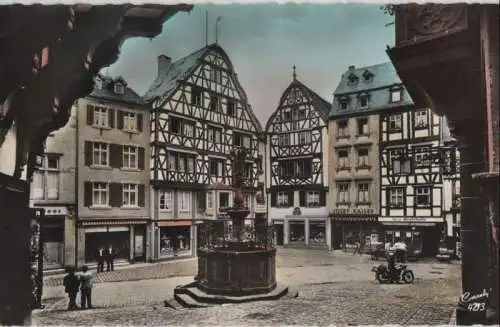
column 264, row 42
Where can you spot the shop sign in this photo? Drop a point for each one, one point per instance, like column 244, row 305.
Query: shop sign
column 352, row 211
column 411, row 219
column 297, row 211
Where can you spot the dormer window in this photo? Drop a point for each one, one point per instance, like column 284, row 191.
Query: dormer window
column 367, row 76
column 396, row 95
column 119, row 88
column 363, row 100
column 344, row 102
column 98, row 83
column 353, row 79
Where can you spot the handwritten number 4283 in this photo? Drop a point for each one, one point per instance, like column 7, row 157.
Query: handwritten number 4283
column 476, row 307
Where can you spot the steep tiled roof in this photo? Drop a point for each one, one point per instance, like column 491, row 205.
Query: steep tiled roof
column 167, row 80
column 383, row 78
column 105, row 91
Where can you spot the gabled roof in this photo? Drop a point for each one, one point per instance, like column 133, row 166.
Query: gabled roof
column 106, row 91
column 167, row 81
column 318, row 102
column 384, row 77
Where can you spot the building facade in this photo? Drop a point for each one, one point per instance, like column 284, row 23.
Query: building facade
column 200, row 114
column 354, row 155
column 296, row 159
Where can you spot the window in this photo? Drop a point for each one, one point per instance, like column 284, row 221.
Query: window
column 100, row 117
column 237, row 139
column 181, row 163
column 343, row 192
column 171, row 161
column 304, row 137
column 100, row 154
column 216, row 75
column 129, row 157
column 363, row 196
column 421, row 119
column 302, row 114
column 423, row 196
column 421, row 157
column 175, row 125
column 223, row 199
column 214, row 134
column 363, row 101
column 129, row 121
column 287, row 115
column 165, row 200
column 395, row 122
column 196, row 96
column 284, row 139
column 342, row 129
column 394, row 154
column 119, row 89
column 343, row 158
column 395, row 96
column 214, row 103
column 295, row 168
column 100, row 194
column 230, row 108
column 184, row 201
column 216, row 167
column 246, row 200
column 396, row 199
column 363, row 158
column 363, row 126
column 46, row 179
column 248, row 171
column 210, row 200
column 188, row 130
column 190, row 164
column 129, row 195
column 312, row 199
column 343, row 105
column 282, row 199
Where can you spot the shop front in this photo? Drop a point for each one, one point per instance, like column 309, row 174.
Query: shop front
column 279, row 231
column 306, row 231
column 423, row 235
column 350, row 231
column 175, row 239
column 127, row 238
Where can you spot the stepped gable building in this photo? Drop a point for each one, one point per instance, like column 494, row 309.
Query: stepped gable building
column 354, row 159
column 200, row 113
column 297, row 155
column 95, row 165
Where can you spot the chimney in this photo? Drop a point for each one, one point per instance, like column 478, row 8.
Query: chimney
column 164, row 64
column 351, row 67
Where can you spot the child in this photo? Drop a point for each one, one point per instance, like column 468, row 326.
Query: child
column 71, row 284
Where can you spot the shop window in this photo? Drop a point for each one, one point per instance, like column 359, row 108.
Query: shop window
column 165, row 200
column 317, row 232
column 297, row 232
column 175, row 241
column 119, row 241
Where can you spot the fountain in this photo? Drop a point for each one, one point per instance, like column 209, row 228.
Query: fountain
column 236, row 260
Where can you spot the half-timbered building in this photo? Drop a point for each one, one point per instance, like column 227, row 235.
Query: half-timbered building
column 200, row 113
column 297, row 154
column 411, row 173
column 354, row 152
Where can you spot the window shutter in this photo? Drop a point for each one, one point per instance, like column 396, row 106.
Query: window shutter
column 115, row 155
column 87, row 194
column 322, row 198
column 111, row 118
column 139, row 122
column 141, row 195
column 302, row 195
column 119, row 124
column 116, row 196
column 141, row 158
column 273, row 198
column 88, row 153
column 290, row 199
column 90, row 115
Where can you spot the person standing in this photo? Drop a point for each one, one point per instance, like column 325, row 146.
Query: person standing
column 86, row 288
column 100, row 259
column 71, row 284
column 110, row 257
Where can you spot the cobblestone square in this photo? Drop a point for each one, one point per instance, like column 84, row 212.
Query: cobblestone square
column 334, row 288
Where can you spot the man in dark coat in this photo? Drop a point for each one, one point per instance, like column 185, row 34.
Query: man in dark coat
column 71, row 284
column 110, row 258
column 100, row 259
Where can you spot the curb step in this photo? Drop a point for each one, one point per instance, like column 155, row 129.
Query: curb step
column 188, row 302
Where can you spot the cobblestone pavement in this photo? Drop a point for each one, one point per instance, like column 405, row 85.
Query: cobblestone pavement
column 333, row 289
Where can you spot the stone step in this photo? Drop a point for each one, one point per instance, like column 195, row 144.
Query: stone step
column 188, row 302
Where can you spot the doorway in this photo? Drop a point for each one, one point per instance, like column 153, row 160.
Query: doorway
column 337, row 237
column 279, row 234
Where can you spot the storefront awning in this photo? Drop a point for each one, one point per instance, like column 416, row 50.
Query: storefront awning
column 174, row 223
column 354, row 219
column 114, row 222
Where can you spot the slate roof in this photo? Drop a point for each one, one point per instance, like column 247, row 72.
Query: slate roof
column 106, row 92
column 317, row 101
column 384, row 77
column 166, row 82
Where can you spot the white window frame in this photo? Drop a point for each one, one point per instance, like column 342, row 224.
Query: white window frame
column 396, row 96
column 247, row 200
column 363, row 192
column 100, row 118
column 364, row 127
column 41, row 175
column 422, row 191
column 190, row 162
column 421, row 118
column 216, row 75
column 181, row 163
column 396, row 197
column 304, row 137
column 397, row 119
column 246, row 142
column 312, row 199
column 210, row 200
column 171, row 161
column 165, row 201
column 188, row 130
column 343, row 192
column 363, row 159
column 361, row 99
column 130, row 193
column 282, row 199
column 421, row 157
column 129, row 121
column 343, row 161
column 100, row 150
column 184, row 201
column 119, row 88
column 130, row 157
column 342, row 131
column 284, row 139
column 102, row 191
